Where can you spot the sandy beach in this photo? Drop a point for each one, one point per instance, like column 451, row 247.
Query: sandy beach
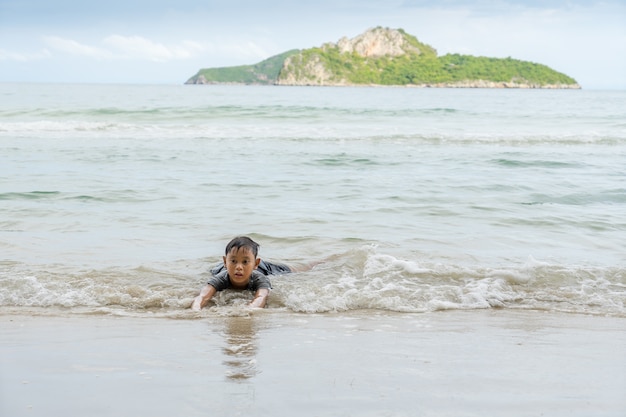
column 364, row 363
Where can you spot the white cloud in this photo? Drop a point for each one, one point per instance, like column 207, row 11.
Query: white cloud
column 240, row 49
column 118, row 47
column 138, row 47
column 23, row 57
column 73, row 47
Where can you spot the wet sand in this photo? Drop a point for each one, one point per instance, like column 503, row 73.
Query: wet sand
column 454, row 363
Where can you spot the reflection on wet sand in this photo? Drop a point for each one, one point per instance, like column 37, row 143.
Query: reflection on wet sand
column 239, row 333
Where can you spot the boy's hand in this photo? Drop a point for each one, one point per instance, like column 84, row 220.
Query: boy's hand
column 205, row 295
column 260, row 298
column 197, row 304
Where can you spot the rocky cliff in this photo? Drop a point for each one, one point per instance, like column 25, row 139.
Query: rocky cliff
column 310, row 68
column 376, row 43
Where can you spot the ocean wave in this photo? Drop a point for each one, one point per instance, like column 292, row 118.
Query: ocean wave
column 516, row 163
column 31, row 195
column 325, row 131
column 109, row 196
column 617, row 196
column 219, row 111
column 362, row 279
column 44, row 127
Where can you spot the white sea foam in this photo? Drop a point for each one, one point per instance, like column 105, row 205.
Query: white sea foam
column 439, row 288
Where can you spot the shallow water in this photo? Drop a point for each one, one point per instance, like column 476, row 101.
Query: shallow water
column 118, row 199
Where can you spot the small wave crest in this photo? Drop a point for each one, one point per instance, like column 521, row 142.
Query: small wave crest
column 56, row 286
column 363, row 279
column 203, row 128
column 366, row 279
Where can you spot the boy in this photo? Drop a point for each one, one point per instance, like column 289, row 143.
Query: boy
column 242, row 270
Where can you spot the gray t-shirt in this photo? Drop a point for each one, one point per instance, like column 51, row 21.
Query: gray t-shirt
column 220, row 281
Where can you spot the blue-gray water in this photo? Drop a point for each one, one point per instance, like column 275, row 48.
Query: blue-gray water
column 118, row 199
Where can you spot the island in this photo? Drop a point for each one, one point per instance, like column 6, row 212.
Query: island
column 387, row 57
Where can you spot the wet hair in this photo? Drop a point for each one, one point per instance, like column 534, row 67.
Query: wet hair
column 243, row 242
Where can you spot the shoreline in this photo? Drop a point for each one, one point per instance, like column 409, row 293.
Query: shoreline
column 478, row 84
column 462, row 363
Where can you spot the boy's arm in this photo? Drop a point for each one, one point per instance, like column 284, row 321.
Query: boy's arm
column 205, row 295
column 260, row 298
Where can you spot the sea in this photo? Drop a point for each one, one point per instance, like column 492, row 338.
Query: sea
column 118, row 199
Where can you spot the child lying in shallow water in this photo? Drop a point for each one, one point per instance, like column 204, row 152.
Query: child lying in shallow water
column 242, row 270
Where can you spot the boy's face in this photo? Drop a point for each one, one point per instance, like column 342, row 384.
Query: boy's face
column 240, row 263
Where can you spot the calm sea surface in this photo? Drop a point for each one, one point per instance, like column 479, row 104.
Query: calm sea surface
column 117, row 199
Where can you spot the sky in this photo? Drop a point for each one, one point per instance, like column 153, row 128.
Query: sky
column 167, row 42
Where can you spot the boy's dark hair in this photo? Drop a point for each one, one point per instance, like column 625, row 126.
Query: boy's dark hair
column 243, row 242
